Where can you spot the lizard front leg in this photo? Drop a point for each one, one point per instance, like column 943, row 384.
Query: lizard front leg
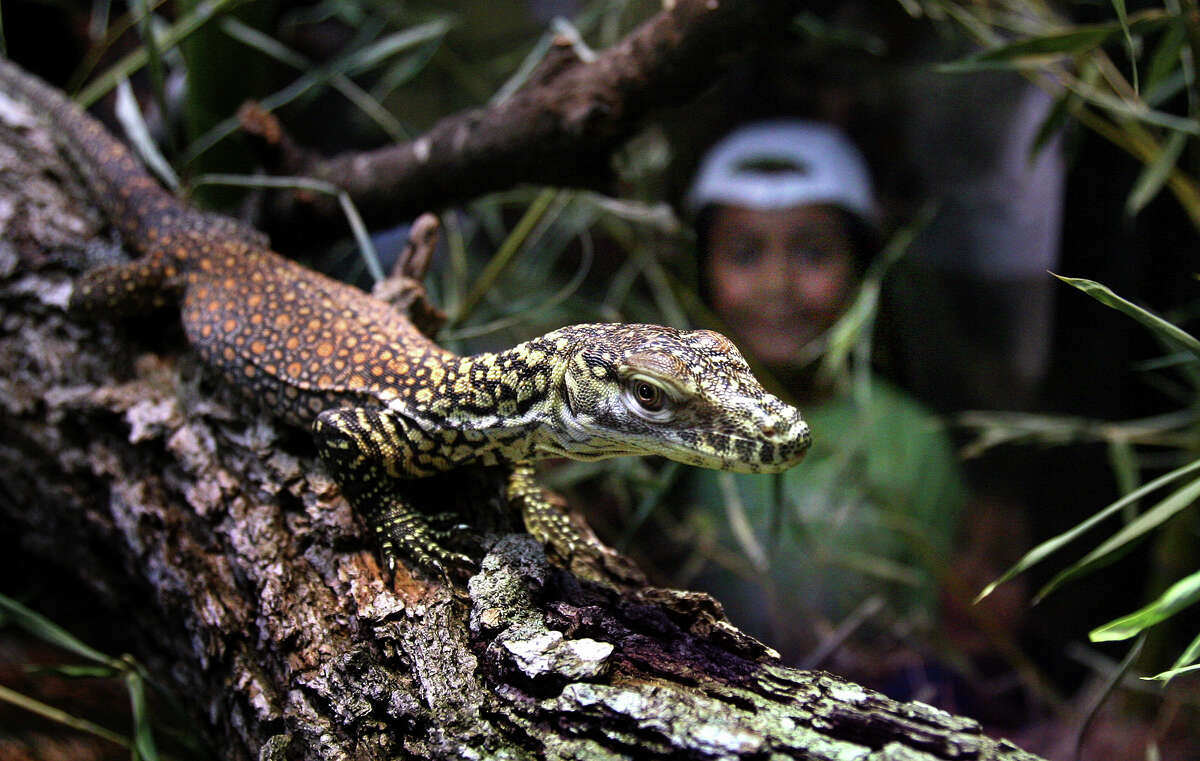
column 368, row 451
column 544, row 520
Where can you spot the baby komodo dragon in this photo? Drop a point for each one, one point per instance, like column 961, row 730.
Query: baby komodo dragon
column 384, row 402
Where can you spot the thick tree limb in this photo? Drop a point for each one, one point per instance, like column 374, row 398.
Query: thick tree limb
column 560, row 129
column 245, row 582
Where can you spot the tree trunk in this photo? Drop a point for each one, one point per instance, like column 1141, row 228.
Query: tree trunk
column 247, row 585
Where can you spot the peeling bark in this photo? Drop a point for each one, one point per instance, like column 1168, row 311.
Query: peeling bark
column 246, row 583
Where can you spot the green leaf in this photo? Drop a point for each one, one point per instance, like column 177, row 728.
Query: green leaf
column 1147, row 521
column 1171, row 334
column 1052, row 545
column 1181, row 594
column 1155, row 174
column 48, row 631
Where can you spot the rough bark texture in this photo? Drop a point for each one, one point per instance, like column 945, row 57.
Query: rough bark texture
column 246, row 583
column 559, row 129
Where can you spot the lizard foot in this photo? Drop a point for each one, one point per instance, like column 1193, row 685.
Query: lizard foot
column 405, row 534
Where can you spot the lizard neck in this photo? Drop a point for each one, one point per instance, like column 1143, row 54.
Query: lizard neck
column 505, row 404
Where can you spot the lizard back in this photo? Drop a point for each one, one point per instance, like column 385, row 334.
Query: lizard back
column 296, row 339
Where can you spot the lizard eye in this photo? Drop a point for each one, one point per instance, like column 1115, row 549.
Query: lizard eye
column 649, row 396
column 648, row 399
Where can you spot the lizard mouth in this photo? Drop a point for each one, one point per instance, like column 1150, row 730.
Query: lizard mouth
column 739, row 453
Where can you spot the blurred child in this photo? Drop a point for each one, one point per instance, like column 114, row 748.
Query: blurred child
column 787, row 224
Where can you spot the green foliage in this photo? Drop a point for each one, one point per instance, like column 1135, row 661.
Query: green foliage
column 107, row 667
column 1183, row 492
column 1152, row 114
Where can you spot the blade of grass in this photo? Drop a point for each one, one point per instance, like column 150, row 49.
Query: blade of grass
column 739, row 523
column 503, row 257
column 1182, row 664
column 1180, row 595
column 1147, row 521
column 1052, row 545
column 361, row 236
column 649, row 502
column 45, row 629
column 1115, row 679
column 111, row 32
column 520, row 314
column 856, row 322
column 154, row 60
column 143, row 738
column 355, row 62
column 62, row 717
column 1165, row 330
column 177, row 32
column 130, row 116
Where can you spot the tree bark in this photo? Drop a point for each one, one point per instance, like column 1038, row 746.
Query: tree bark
column 246, row 583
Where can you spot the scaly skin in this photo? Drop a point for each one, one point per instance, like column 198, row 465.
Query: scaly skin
column 385, row 403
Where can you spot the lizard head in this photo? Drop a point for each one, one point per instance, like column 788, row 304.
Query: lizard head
column 686, row 395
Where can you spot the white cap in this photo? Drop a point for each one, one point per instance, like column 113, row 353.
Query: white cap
column 778, row 164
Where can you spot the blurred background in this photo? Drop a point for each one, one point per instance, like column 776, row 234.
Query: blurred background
column 873, row 212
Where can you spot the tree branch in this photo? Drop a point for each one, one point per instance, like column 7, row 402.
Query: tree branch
column 559, row 129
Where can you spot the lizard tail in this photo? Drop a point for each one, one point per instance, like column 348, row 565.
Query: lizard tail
column 132, row 199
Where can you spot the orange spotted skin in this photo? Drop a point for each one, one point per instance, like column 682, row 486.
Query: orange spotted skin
column 384, row 402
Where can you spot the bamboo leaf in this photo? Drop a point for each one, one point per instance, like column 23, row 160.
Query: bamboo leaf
column 1147, row 521
column 1181, row 594
column 1165, row 330
column 1123, row 462
column 1123, row 19
column 1182, row 664
column 1167, row 676
column 1155, row 174
column 1166, row 55
column 1033, row 50
column 1071, row 41
column 1054, row 123
column 1052, row 545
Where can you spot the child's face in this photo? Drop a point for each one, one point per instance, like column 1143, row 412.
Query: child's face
column 779, row 278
